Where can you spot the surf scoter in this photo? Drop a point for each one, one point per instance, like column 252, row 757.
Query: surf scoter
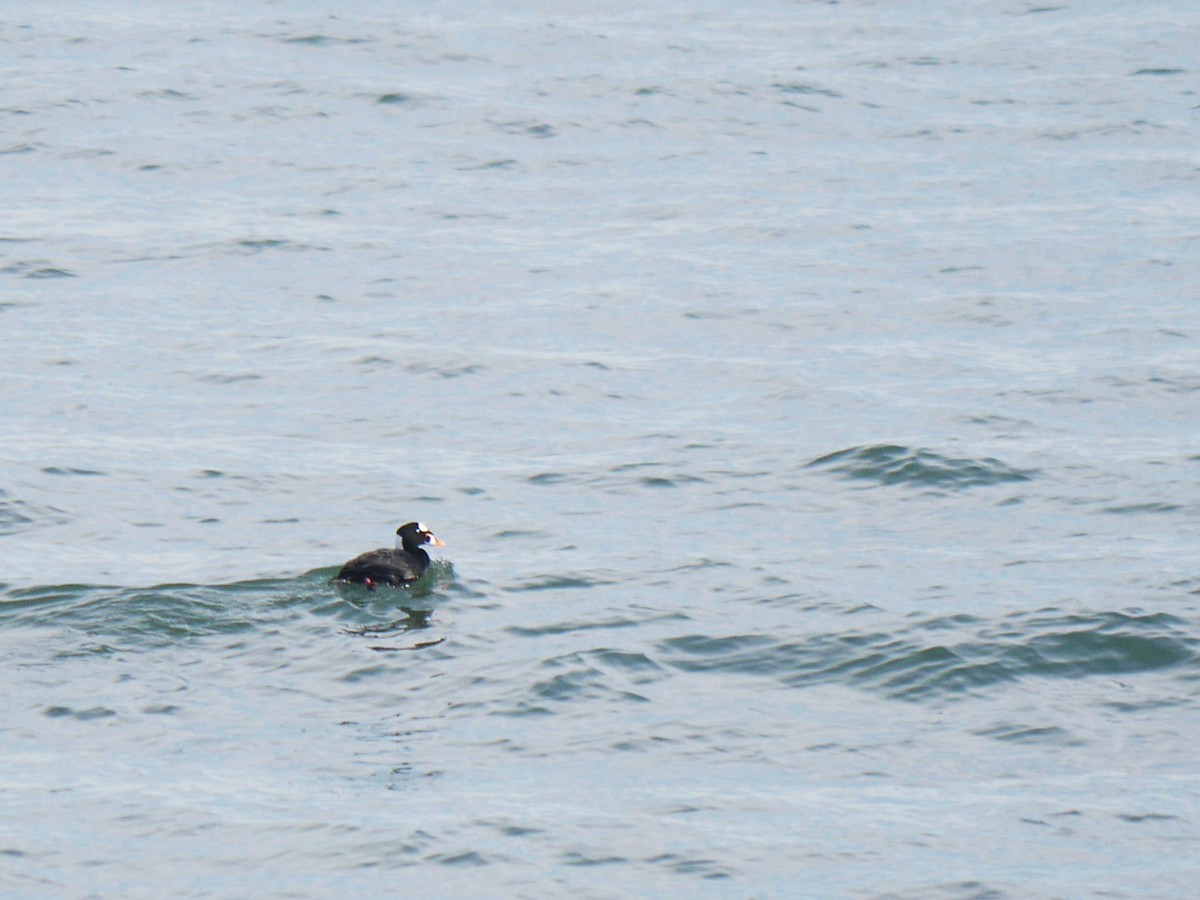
column 405, row 564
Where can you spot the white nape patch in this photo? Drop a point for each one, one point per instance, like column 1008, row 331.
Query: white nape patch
column 399, row 542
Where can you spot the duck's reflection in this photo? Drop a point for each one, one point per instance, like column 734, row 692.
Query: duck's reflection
column 414, row 620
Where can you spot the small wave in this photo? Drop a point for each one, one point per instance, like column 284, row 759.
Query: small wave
column 18, row 515
column 83, row 715
column 168, row 94
column 592, row 674
column 36, row 269
column 509, row 533
column 141, row 618
column 652, row 475
column 433, row 370
column 560, row 582
column 218, row 378
column 253, row 246
column 547, row 478
column 1138, row 508
column 554, row 628
column 801, row 87
column 893, row 464
column 530, row 127
column 579, row 684
column 322, row 40
column 1051, row 735
column 51, row 272
column 925, row 661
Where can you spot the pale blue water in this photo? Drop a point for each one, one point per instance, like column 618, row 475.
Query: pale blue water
column 806, row 392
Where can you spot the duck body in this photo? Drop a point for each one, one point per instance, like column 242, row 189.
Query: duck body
column 403, row 565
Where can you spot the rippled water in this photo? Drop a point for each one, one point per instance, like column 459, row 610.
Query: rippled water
column 806, row 392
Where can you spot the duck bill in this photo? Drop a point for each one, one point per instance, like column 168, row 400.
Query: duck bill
column 436, row 541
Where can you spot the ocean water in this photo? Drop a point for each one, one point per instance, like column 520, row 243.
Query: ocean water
column 807, row 393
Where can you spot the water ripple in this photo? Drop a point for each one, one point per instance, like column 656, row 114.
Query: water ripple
column 146, row 618
column 17, row 515
column 922, row 663
column 890, row 464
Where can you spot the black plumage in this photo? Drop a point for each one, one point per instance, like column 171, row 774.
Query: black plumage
column 400, row 566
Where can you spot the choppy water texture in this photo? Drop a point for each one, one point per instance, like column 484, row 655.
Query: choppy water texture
column 807, row 393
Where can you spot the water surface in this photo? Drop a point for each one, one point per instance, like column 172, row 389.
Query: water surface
column 806, row 393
